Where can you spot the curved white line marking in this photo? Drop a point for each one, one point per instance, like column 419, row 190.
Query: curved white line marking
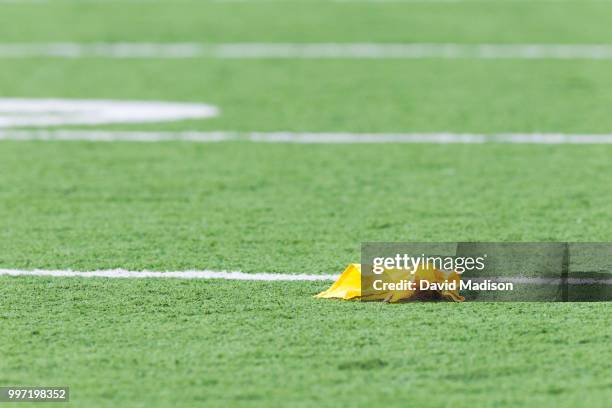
column 306, row 137
column 309, row 51
column 16, row 112
column 241, row 276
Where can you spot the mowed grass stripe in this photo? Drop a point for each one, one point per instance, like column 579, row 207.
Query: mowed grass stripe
column 374, row 96
column 221, row 343
column 284, row 208
column 495, row 22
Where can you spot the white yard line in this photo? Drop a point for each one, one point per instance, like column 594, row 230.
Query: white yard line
column 488, row 2
column 306, row 137
column 540, row 281
column 241, row 276
column 118, row 136
column 308, row 51
column 413, row 51
column 17, row 112
column 316, row 2
column 204, row 274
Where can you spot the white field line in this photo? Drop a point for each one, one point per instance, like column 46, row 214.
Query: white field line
column 488, row 2
column 204, row 274
column 241, row 276
column 305, row 137
column 308, row 51
column 16, row 112
column 540, row 281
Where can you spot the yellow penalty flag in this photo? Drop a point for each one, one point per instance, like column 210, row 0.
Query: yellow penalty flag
column 352, row 285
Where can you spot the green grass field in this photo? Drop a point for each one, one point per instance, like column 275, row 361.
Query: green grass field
column 152, row 343
column 288, row 208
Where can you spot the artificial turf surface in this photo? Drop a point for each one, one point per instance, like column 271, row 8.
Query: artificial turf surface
column 301, row 209
column 215, row 343
column 565, row 22
column 285, row 208
column 340, row 95
column 239, row 206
